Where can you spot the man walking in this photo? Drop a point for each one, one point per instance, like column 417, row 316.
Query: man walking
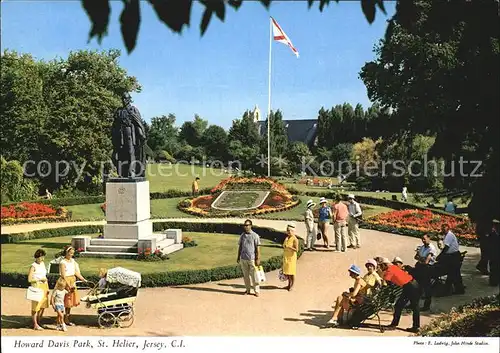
column 411, row 293
column 309, row 220
column 340, row 214
column 452, row 261
column 249, row 257
column 355, row 214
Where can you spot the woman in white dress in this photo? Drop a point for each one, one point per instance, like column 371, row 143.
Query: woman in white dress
column 37, row 277
column 70, row 271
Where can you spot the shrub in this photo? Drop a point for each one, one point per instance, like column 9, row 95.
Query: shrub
column 159, row 279
column 188, row 242
column 149, row 255
column 479, row 318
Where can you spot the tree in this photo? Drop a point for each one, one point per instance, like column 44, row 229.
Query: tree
column 61, row 112
column 176, row 14
column 324, row 123
column 365, row 155
column 191, row 132
column 439, row 71
column 298, row 153
column 14, row 186
column 163, row 134
column 279, row 137
column 215, row 142
column 245, row 130
column 244, row 154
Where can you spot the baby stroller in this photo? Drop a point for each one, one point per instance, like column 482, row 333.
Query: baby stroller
column 115, row 303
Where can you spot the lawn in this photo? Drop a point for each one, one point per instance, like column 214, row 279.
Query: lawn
column 235, row 200
column 163, row 177
column 213, row 250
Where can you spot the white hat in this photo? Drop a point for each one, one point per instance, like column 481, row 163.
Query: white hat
column 291, row 224
column 321, row 200
column 310, row 204
column 350, row 196
column 396, row 260
column 385, row 260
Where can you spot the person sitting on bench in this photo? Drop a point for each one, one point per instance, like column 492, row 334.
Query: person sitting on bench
column 451, row 260
column 356, row 295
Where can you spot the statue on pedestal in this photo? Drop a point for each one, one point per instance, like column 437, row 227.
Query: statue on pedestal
column 129, row 138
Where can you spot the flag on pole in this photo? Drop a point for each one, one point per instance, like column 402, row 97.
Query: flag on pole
column 280, row 36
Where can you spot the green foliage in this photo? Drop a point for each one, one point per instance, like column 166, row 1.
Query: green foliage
column 164, row 156
column 298, row 152
column 429, row 70
column 191, row 132
column 14, row 186
column 163, row 134
column 61, row 110
column 215, row 142
column 476, row 319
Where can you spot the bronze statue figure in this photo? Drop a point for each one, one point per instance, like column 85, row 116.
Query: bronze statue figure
column 129, row 138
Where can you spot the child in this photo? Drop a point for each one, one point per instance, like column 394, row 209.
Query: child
column 57, row 302
column 102, row 282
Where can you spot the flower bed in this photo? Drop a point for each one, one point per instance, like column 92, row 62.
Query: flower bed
column 278, row 200
column 480, row 318
column 420, row 222
column 27, row 212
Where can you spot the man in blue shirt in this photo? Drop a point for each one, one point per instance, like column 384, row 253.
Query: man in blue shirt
column 249, row 257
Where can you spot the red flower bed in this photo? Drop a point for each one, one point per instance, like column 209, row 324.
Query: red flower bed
column 27, row 210
column 203, row 202
column 425, row 221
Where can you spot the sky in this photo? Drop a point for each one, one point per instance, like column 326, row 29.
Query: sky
column 225, row 72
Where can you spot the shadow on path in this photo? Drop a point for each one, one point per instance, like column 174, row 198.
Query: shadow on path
column 24, row 321
column 265, row 287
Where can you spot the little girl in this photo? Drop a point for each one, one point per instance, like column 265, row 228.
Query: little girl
column 102, row 282
column 57, row 302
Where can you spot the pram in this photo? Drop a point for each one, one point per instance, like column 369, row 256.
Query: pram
column 114, row 303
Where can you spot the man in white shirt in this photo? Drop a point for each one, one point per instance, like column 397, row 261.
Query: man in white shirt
column 355, row 214
column 426, row 258
column 451, row 260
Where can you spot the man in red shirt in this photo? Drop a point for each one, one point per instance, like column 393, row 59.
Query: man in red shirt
column 411, row 293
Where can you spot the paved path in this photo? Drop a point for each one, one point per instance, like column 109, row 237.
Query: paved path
column 220, row 308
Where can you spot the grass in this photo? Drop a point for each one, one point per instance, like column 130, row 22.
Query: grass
column 213, row 250
column 167, row 208
column 238, row 200
column 163, row 177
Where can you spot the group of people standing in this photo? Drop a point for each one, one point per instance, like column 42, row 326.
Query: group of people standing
column 344, row 218
column 64, row 296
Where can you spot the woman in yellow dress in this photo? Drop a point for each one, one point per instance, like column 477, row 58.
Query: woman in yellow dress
column 290, row 248
column 37, row 276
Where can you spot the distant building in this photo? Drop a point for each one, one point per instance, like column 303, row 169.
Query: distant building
column 302, row 130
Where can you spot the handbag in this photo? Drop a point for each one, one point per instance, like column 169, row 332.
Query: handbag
column 260, row 275
column 318, row 236
column 34, row 294
column 282, row 276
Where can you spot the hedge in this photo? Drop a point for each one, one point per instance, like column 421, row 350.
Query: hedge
column 479, row 318
column 72, row 201
column 158, row 279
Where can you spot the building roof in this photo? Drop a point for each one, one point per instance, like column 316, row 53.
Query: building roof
column 302, row 130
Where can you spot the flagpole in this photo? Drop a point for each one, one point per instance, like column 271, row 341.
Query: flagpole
column 269, row 102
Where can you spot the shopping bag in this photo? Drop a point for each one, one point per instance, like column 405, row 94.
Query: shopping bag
column 260, row 275
column 34, row 294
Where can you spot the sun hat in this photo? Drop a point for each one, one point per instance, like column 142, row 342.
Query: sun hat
column 386, row 261
column 355, row 269
column 351, row 196
column 322, row 200
column 371, row 262
column 291, row 224
column 310, row 203
column 396, row 260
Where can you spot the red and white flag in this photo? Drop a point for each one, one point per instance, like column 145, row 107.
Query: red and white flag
column 280, row 36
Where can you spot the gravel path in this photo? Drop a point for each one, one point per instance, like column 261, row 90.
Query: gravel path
column 220, row 308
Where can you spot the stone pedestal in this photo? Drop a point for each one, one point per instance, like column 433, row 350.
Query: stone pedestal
column 128, row 209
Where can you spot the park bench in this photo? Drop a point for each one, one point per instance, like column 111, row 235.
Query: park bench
column 382, row 299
